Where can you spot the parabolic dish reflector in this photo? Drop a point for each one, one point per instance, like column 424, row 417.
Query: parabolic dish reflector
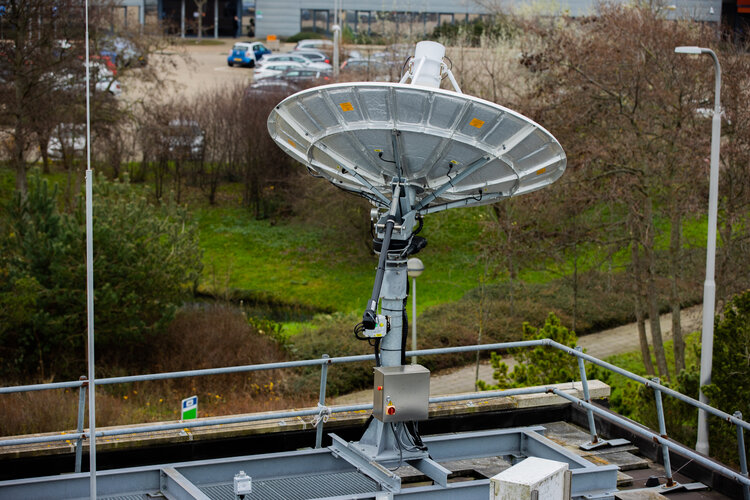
column 455, row 149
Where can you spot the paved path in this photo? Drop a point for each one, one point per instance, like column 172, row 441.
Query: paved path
column 602, row 344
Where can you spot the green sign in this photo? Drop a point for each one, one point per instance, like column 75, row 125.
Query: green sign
column 190, row 408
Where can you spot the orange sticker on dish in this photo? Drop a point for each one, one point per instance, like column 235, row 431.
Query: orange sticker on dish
column 291, row 142
column 541, row 171
column 346, row 106
column 476, row 122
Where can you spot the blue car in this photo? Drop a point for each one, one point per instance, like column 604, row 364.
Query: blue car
column 247, row 54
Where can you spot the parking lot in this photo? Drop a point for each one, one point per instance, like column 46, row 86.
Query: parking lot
column 205, row 68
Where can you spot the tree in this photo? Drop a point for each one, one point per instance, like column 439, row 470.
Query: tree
column 729, row 389
column 30, row 58
column 146, row 263
column 42, row 74
column 734, row 182
column 200, row 5
column 622, row 104
column 259, row 152
column 540, row 365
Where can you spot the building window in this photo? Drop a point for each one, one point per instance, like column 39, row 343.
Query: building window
column 320, row 21
column 316, row 20
column 306, row 20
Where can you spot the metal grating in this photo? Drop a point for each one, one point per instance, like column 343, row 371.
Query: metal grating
column 299, row 487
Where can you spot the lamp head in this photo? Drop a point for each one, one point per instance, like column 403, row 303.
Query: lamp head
column 688, row 50
column 414, row 267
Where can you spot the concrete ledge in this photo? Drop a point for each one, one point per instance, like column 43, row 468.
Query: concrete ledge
column 597, row 390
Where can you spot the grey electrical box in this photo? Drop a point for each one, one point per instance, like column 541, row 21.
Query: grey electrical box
column 401, row 393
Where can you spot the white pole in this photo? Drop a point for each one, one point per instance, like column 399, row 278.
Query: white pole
column 414, row 268
column 216, row 19
column 336, row 45
column 90, row 275
column 414, row 319
column 709, row 286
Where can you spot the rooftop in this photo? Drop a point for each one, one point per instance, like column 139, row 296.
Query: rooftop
column 470, row 438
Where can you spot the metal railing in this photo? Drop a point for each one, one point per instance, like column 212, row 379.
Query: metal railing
column 322, row 411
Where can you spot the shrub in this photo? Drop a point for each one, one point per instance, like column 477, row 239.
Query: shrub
column 146, row 262
column 500, row 28
column 305, row 35
column 541, row 365
column 201, row 336
column 332, row 335
column 730, row 375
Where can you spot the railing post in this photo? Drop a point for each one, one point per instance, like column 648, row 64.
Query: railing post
column 586, row 397
column 743, row 457
column 663, row 433
column 321, row 400
column 81, row 413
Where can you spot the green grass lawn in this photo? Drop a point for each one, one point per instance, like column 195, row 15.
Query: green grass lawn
column 286, row 261
column 294, row 263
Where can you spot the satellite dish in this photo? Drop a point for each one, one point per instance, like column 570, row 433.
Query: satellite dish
column 411, row 148
column 453, row 149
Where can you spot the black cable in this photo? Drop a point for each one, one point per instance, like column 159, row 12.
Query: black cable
column 421, row 224
column 398, row 445
column 448, row 67
column 377, row 352
column 473, row 198
column 369, row 316
column 358, row 330
column 404, row 66
column 313, row 173
column 413, row 447
column 413, row 429
column 372, row 199
column 380, row 155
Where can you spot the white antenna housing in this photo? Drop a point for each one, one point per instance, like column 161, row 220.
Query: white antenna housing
column 428, row 62
column 427, row 68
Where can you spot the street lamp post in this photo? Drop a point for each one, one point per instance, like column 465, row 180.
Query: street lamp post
column 709, row 286
column 336, row 44
column 336, row 36
column 414, row 268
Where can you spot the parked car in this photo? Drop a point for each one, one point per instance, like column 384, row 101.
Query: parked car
column 368, row 70
column 67, row 140
column 274, row 69
column 122, row 52
column 315, row 44
column 103, row 80
column 185, row 139
column 314, row 55
column 395, row 54
column 281, row 58
column 274, row 86
column 247, row 54
column 305, row 75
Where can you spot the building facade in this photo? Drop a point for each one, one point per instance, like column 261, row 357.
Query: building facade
column 283, row 18
column 419, row 17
